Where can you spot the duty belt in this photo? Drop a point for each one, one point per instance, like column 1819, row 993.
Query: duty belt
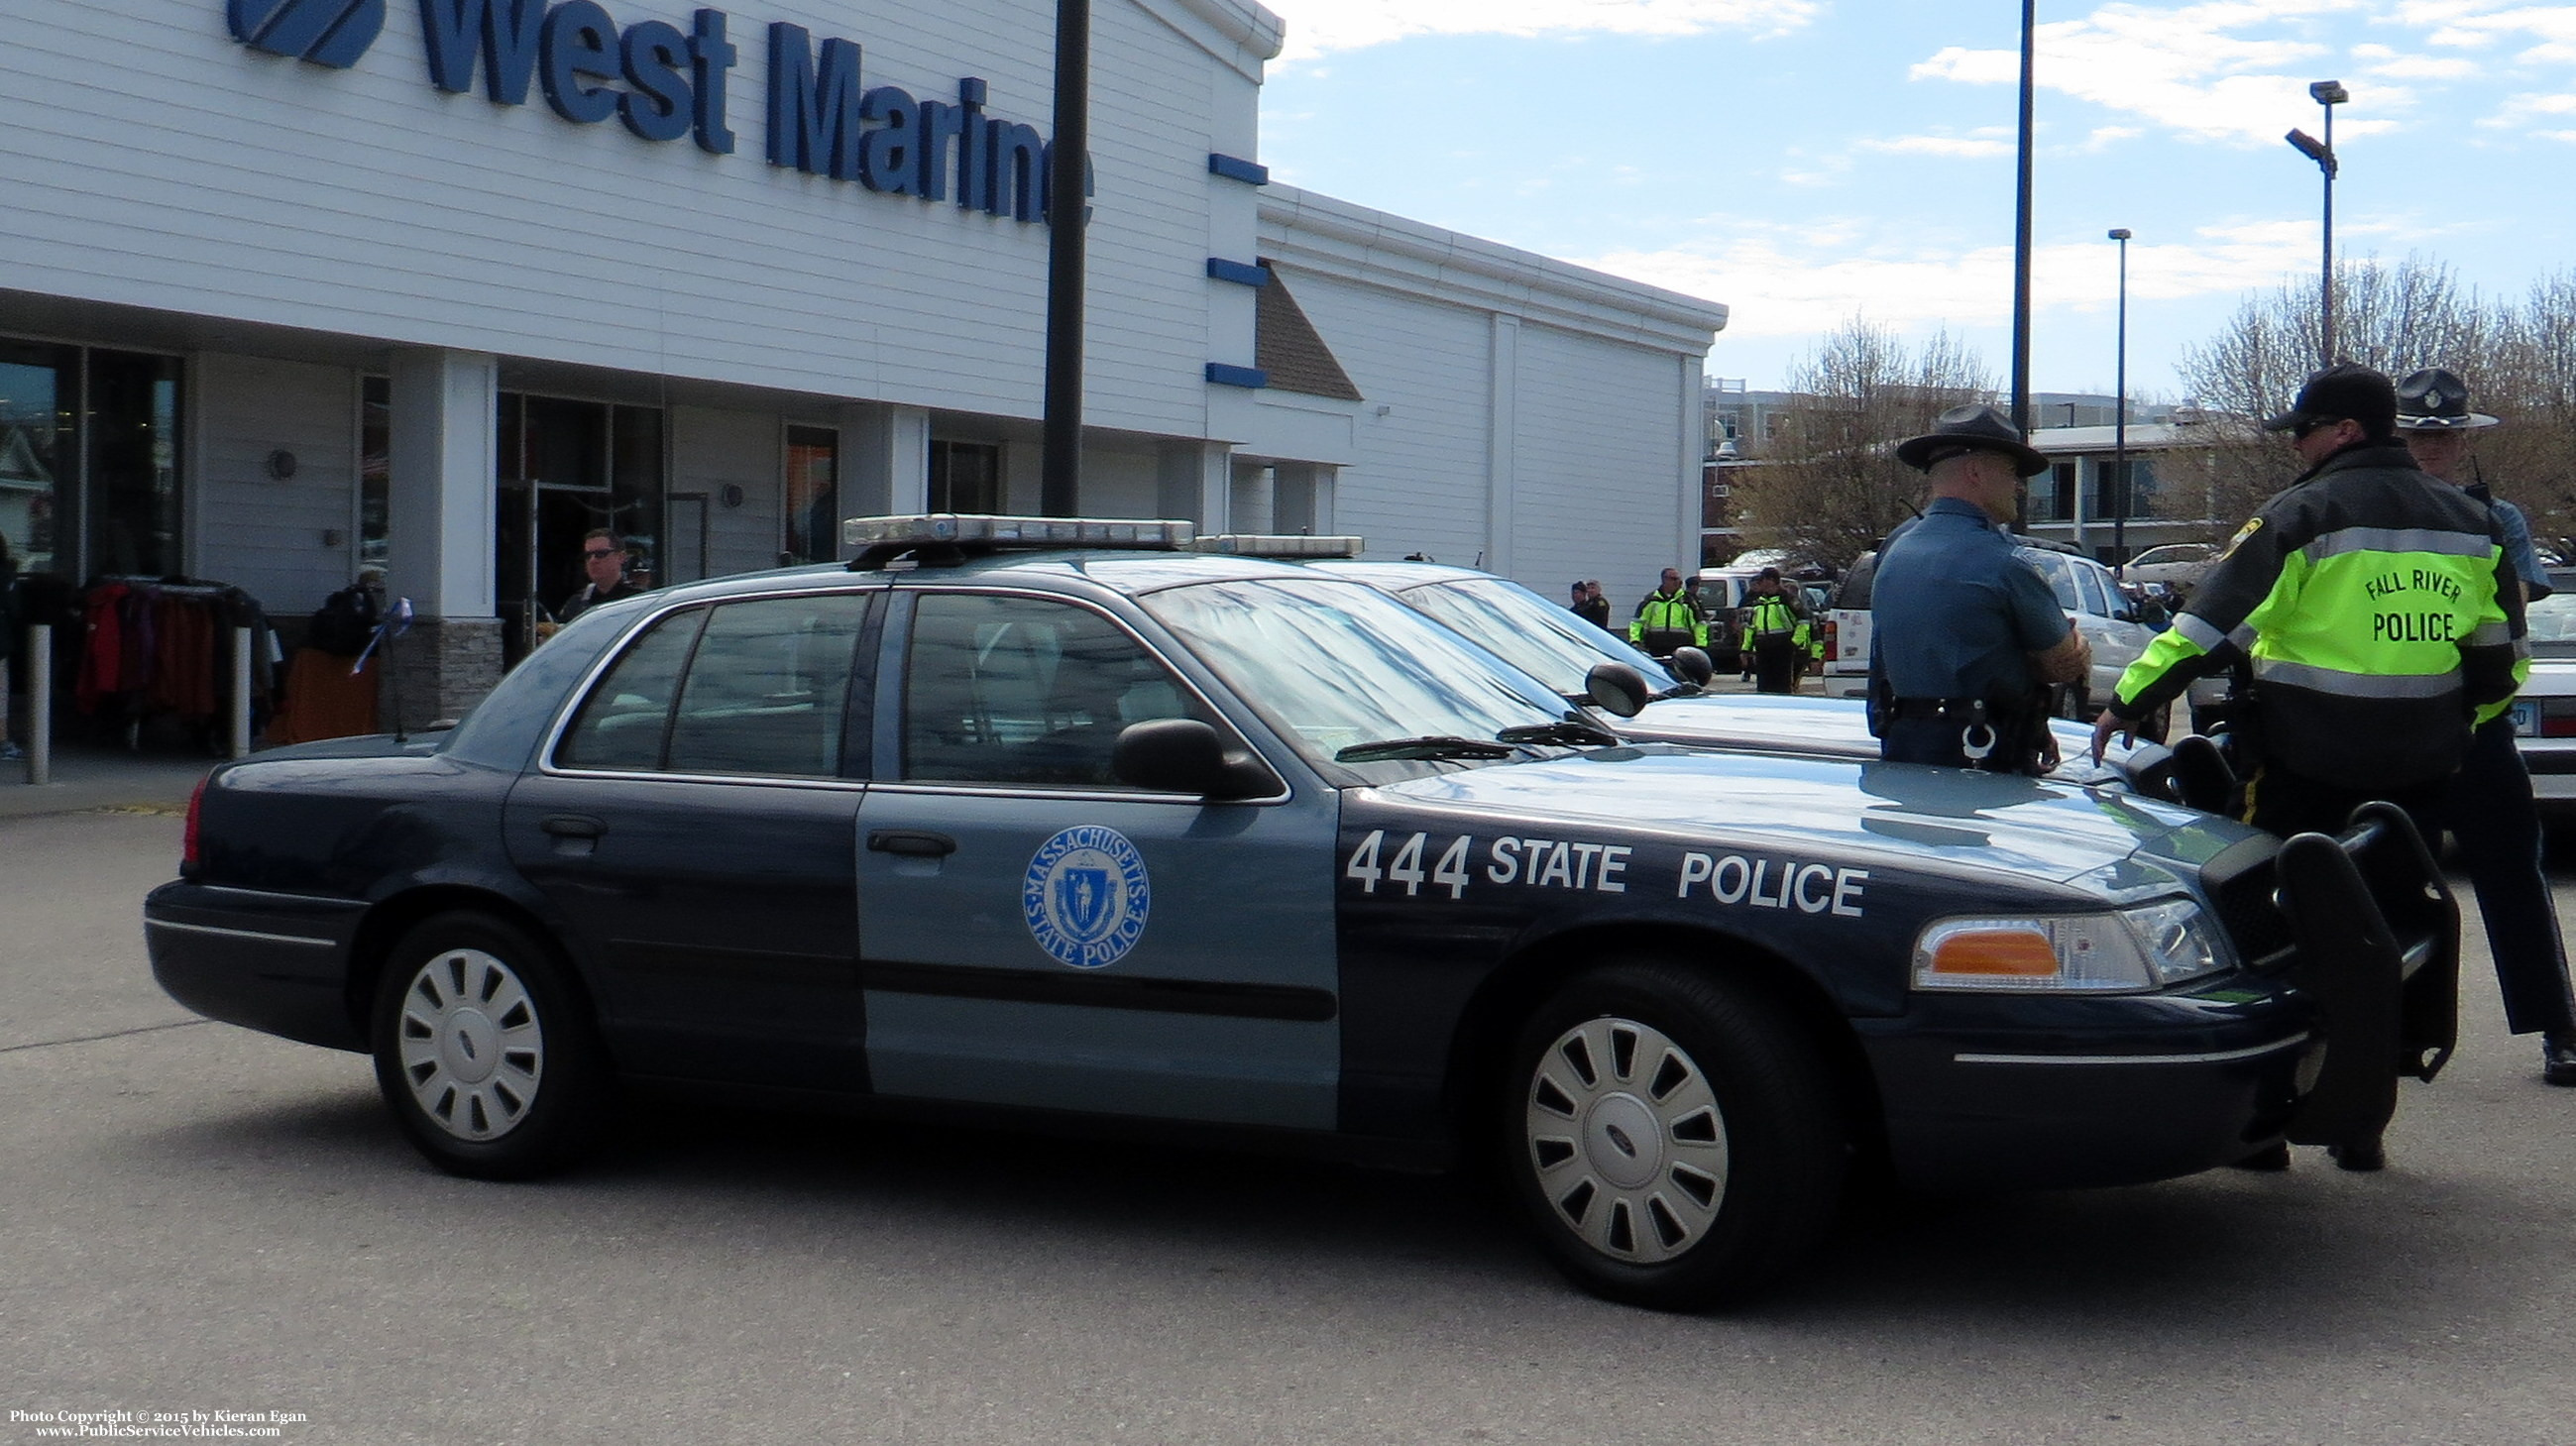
column 1931, row 708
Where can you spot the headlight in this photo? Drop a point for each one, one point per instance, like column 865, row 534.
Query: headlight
column 2126, row 951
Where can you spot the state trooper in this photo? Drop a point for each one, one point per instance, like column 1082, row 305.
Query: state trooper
column 2489, row 807
column 1965, row 638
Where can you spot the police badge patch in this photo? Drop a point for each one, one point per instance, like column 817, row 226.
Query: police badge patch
column 1086, row 896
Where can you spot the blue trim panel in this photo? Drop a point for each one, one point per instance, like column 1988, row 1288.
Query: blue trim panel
column 1237, row 272
column 1234, row 376
column 1235, row 168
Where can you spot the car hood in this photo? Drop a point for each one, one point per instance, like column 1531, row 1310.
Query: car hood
column 1953, row 818
column 1832, row 727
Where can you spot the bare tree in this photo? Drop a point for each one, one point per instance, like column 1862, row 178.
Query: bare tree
column 2519, row 362
column 1830, row 486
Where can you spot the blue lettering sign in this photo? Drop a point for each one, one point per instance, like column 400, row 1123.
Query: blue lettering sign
column 813, row 111
column 503, row 32
column 579, row 41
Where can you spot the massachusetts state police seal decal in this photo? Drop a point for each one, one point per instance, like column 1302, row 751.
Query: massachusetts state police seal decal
column 1086, row 896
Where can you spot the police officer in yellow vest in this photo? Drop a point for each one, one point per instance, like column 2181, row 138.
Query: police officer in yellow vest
column 1775, row 635
column 2380, row 611
column 1668, row 619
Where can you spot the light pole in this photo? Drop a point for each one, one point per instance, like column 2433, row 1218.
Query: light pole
column 1060, row 466
column 2120, row 416
column 2327, row 93
column 2021, row 230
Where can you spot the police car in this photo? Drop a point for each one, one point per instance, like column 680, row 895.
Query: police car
column 1551, row 643
column 1061, row 819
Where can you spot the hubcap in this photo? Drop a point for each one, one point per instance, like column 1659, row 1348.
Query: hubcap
column 1625, row 1135
column 471, row 1046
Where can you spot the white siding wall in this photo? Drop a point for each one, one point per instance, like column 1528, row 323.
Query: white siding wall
column 1419, row 483
column 710, row 448
column 1594, row 462
column 265, row 535
column 154, row 161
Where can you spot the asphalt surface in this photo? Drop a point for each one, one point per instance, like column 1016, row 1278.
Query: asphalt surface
column 195, row 1218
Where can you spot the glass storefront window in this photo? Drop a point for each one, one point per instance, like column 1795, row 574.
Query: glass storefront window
column 564, row 468
column 39, row 454
column 813, row 494
column 134, row 464
column 965, row 477
column 90, row 461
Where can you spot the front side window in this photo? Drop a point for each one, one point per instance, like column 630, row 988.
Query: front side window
column 1338, row 665
column 1002, row 689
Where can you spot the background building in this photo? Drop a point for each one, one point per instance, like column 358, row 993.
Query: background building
column 296, row 288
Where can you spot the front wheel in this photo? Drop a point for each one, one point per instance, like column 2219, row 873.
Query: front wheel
column 1672, row 1137
column 484, row 1054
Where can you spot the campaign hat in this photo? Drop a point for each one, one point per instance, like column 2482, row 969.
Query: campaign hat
column 2344, row 392
column 1971, row 429
column 2436, row 400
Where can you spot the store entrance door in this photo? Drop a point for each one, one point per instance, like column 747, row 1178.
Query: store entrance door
column 565, row 469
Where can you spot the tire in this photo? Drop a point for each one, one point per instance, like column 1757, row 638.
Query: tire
column 487, row 1058
column 1673, row 1138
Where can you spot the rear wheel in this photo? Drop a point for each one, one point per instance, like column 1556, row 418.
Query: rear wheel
column 1673, row 1138
column 483, row 1052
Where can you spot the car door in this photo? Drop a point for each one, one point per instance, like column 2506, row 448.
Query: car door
column 693, row 825
column 2116, row 641
column 1038, row 934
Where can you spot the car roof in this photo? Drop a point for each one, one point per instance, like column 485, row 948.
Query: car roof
column 1072, row 570
column 1398, row 575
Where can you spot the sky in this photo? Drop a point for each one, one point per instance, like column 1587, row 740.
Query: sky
column 1804, row 161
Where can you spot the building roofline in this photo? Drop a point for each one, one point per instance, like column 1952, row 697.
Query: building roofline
column 1354, row 243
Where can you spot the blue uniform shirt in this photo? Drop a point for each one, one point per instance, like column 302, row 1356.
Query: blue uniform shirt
column 1952, row 611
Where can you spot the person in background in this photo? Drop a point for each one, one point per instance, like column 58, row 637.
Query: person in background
column 1775, row 635
column 2489, row 808
column 1668, row 619
column 1595, row 607
column 603, row 561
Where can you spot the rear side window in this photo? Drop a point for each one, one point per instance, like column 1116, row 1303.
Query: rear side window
column 623, row 722
column 769, row 687
column 2097, row 598
column 759, row 687
column 2060, row 578
column 1853, row 594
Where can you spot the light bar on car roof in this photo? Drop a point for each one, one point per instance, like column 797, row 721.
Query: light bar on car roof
column 986, row 530
column 1260, row 544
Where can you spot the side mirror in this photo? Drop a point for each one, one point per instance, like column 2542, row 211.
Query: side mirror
column 1184, row 755
column 1693, row 666
column 1620, row 690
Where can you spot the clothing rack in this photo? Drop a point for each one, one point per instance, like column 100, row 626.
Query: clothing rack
column 139, row 657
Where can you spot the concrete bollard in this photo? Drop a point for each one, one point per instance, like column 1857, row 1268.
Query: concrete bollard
column 241, row 693
column 40, row 703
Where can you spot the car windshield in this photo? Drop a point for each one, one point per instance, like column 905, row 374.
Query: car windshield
column 1527, row 631
column 1337, row 665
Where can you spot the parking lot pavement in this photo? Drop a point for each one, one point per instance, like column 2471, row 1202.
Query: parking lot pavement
column 201, row 1218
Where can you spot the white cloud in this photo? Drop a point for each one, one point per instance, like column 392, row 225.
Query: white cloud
column 2194, row 69
column 1317, row 27
column 2427, row 67
column 1984, row 141
column 1790, row 282
column 2521, row 110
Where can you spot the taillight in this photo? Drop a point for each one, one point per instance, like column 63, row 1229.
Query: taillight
column 1833, row 638
column 2558, row 718
column 188, row 858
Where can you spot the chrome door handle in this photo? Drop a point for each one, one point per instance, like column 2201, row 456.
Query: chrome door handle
column 911, row 843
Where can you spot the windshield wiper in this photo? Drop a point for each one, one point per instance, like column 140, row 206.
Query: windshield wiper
column 1437, row 746
column 1572, row 732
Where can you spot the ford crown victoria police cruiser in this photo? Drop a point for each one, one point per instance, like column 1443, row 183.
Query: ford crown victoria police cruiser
column 1118, row 831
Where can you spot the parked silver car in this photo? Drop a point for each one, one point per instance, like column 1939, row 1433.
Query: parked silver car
column 2544, row 715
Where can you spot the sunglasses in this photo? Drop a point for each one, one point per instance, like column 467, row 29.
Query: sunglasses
column 604, row 552
column 2313, row 424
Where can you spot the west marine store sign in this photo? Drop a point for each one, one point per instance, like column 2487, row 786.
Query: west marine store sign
column 821, row 119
